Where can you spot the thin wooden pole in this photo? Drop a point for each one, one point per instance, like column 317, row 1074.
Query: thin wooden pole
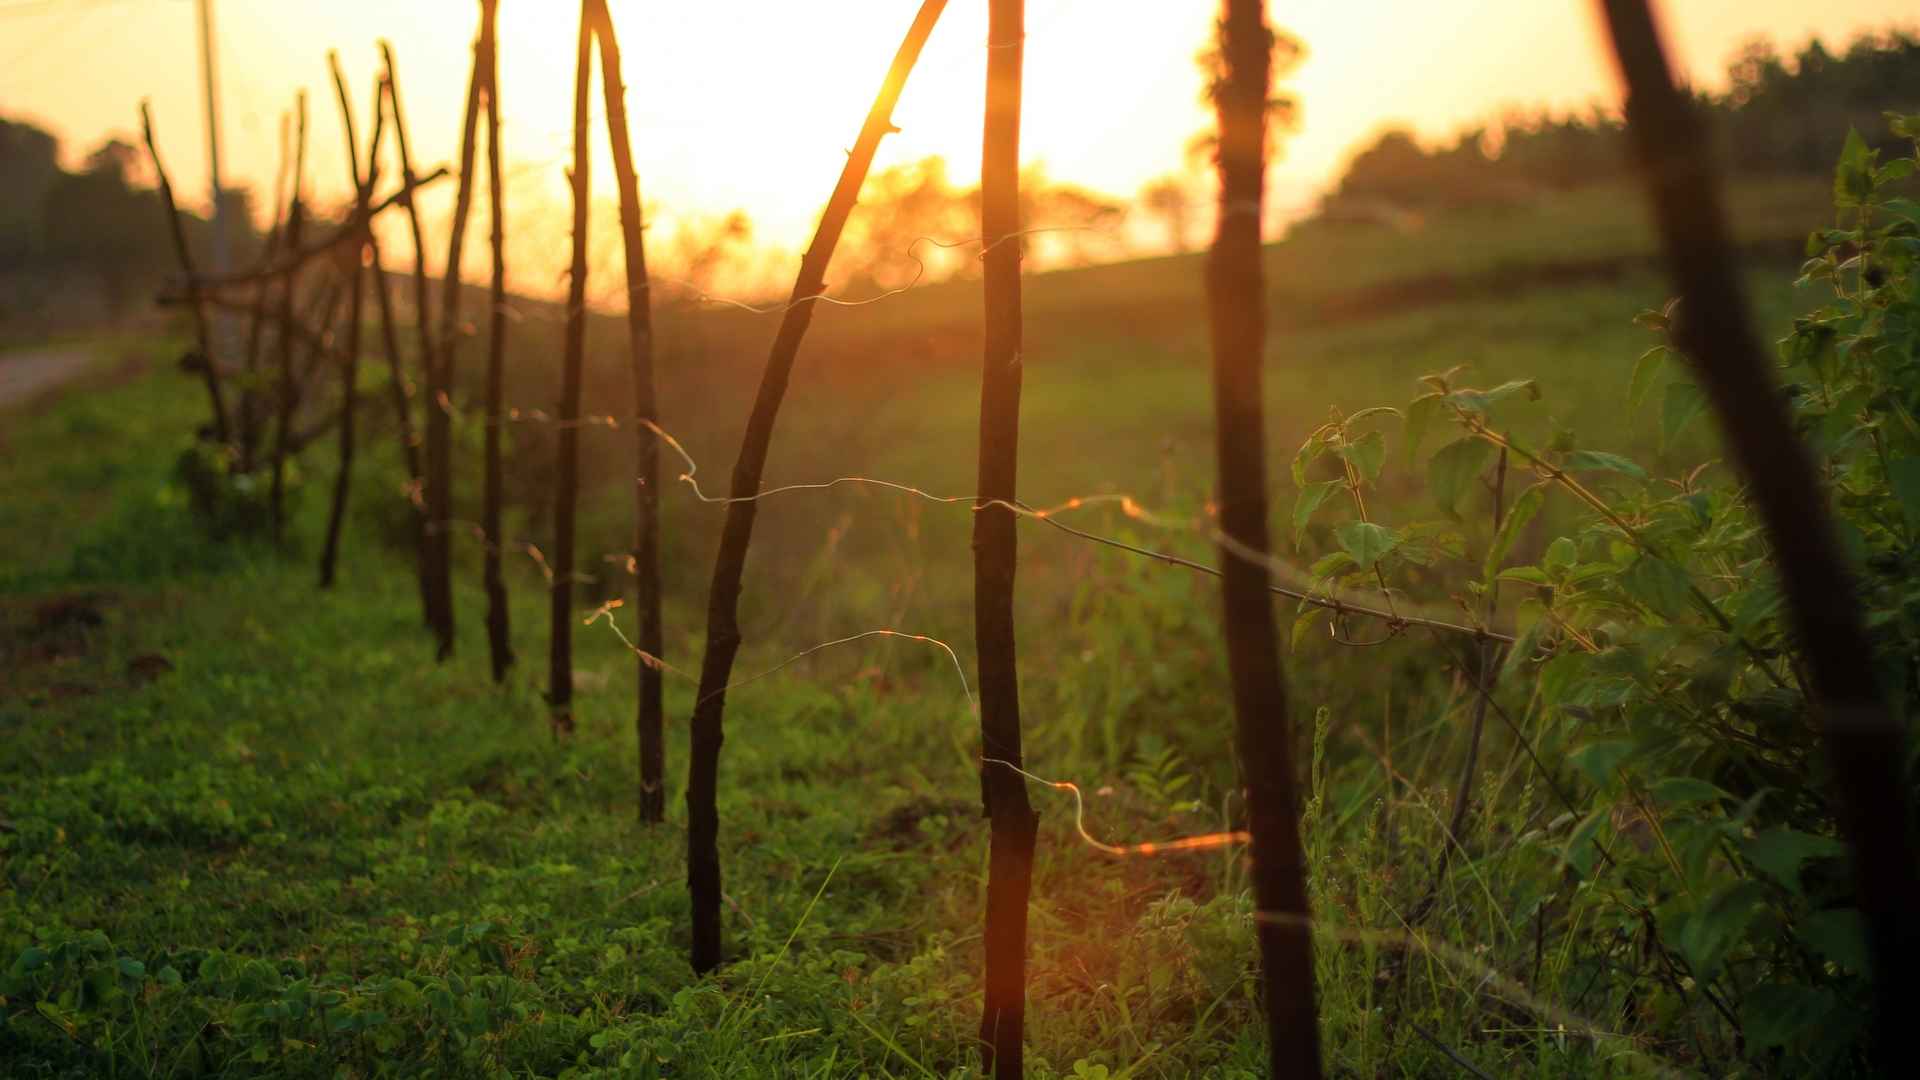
column 650, row 713
column 1865, row 742
column 249, row 438
column 438, row 586
column 560, row 638
column 210, row 370
column 1013, row 823
column 499, row 642
column 439, row 491
column 284, row 383
column 723, row 600
column 1236, row 302
column 350, row 366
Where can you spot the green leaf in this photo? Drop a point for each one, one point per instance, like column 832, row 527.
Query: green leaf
column 1600, row 461
column 1307, row 502
column 1780, row 853
column 1601, row 759
column 1517, row 386
column 1781, row 1014
column 1840, row 935
column 1455, row 467
column 1529, row 575
column 1367, row 542
column 1681, row 790
column 1903, row 475
column 1644, row 369
column 1330, row 564
column 1853, row 179
column 1581, row 851
column 1707, row 935
column 1304, row 621
column 1315, row 445
column 1366, row 454
column 1903, row 207
column 1682, row 404
column 1420, row 416
column 1562, row 553
column 1518, row 515
column 1658, row 585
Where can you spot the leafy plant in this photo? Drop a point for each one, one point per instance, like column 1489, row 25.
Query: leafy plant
column 1652, row 665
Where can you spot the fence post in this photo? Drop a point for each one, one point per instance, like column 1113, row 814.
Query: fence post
column 436, row 587
column 180, row 250
column 1012, row 821
column 350, row 366
column 499, row 645
column 649, row 717
column 723, row 599
column 1866, row 744
column 1236, row 302
column 560, row 644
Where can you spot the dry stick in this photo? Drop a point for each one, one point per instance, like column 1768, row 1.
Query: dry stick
column 403, row 410
column 249, row 404
column 293, row 386
column 499, row 645
column 436, row 585
column 350, row 367
column 1013, row 824
column 723, row 601
column 209, row 368
column 284, row 395
column 1865, row 743
column 560, row 634
column 297, row 259
column 650, row 715
column 1236, row 301
column 439, row 492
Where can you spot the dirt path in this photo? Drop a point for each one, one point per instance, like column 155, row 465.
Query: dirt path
column 27, row 373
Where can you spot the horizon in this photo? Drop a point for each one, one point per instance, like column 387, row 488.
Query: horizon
column 1111, row 136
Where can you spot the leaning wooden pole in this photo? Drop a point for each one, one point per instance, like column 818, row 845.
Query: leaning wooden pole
column 441, row 366
column 438, row 584
column 566, row 477
column 499, row 642
column 723, row 599
column 249, row 435
column 210, row 369
column 284, row 392
column 1865, row 742
column 650, row 715
column 1236, row 307
column 1013, row 823
column 400, row 390
column 350, row 366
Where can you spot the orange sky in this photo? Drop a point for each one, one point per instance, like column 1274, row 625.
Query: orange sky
column 748, row 104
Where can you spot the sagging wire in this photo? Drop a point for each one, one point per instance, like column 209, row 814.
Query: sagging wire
column 1202, row 842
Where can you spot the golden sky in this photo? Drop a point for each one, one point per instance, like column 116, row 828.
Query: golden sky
column 748, row 104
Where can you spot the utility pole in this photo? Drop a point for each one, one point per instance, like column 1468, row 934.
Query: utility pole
column 221, row 263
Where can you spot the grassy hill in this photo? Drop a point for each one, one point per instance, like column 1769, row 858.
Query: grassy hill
column 247, row 828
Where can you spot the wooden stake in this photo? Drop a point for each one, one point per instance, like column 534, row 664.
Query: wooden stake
column 650, row 713
column 723, row 600
column 1236, row 302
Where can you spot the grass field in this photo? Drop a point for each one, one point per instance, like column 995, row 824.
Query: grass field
column 249, row 828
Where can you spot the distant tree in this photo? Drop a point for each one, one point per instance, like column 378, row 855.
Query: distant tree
column 1165, row 198
column 29, row 166
column 96, row 223
column 704, row 249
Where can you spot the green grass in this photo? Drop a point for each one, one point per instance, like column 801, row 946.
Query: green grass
column 307, row 850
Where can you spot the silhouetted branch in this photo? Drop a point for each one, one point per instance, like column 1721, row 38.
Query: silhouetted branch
column 723, row 600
